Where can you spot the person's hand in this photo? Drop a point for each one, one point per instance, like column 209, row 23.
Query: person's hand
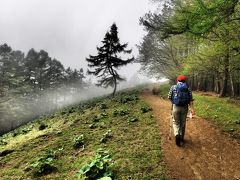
column 193, row 111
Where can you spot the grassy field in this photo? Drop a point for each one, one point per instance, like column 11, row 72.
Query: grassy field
column 221, row 111
column 115, row 137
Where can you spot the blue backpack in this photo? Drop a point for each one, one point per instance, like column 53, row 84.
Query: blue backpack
column 181, row 96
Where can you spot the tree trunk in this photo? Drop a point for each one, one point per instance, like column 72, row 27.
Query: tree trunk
column 213, row 83
column 115, row 86
column 192, row 85
column 232, row 86
column 226, row 76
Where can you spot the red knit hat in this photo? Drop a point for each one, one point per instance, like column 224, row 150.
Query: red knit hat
column 181, row 78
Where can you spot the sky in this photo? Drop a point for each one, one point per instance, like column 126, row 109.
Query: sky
column 70, row 30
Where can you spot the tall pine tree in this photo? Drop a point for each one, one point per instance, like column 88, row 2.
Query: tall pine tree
column 108, row 60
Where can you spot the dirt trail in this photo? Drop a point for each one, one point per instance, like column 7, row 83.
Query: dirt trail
column 207, row 153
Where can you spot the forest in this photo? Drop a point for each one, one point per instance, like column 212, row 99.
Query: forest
column 33, row 84
column 197, row 38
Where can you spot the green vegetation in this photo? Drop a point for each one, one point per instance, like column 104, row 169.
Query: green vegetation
column 78, row 141
column 132, row 140
column 164, row 90
column 197, row 38
column 98, row 168
column 220, row 110
column 44, row 164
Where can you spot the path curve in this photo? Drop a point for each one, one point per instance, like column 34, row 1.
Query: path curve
column 207, row 153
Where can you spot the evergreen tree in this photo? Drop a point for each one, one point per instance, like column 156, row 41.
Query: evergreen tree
column 106, row 63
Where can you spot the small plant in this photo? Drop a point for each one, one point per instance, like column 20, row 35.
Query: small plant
column 103, row 114
column 78, row 141
column 115, row 113
column 44, row 164
column 106, row 136
column 102, row 125
column 3, row 142
column 103, row 106
column 120, row 112
column 145, row 109
column 92, row 126
column 132, row 119
column 42, row 126
column 128, row 98
column 237, row 121
column 23, row 130
column 95, row 118
column 98, row 168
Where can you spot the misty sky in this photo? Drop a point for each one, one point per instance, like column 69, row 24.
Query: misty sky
column 70, row 30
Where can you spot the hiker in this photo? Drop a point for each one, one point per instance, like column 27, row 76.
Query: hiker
column 181, row 97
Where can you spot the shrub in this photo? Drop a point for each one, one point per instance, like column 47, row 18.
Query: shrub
column 78, row 141
column 132, row 119
column 3, row 142
column 95, row 118
column 103, row 106
column 106, row 136
column 145, row 109
column 103, row 114
column 120, row 112
column 42, row 126
column 98, row 168
column 21, row 130
column 92, row 126
column 44, row 164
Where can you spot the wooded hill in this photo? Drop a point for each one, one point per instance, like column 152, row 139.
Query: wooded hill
column 33, row 84
column 198, row 38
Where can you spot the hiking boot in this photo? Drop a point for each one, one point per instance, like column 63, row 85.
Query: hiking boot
column 178, row 140
column 182, row 139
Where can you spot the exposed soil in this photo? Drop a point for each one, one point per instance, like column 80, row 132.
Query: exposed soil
column 207, row 153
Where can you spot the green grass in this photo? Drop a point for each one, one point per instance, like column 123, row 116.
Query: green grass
column 219, row 110
column 164, row 90
column 134, row 141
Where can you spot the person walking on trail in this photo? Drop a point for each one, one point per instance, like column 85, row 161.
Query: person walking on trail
column 181, row 97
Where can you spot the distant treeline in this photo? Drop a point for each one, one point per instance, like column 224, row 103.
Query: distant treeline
column 33, row 84
column 200, row 39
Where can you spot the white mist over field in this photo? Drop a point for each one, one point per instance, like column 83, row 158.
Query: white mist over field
column 21, row 110
column 18, row 111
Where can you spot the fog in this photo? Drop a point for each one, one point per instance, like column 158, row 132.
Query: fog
column 21, row 110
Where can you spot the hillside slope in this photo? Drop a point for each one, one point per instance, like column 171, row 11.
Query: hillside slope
column 59, row 145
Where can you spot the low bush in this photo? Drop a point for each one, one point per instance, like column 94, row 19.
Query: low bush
column 44, row 164
column 145, row 109
column 106, row 136
column 42, row 126
column 98, row 168
column 78, row 141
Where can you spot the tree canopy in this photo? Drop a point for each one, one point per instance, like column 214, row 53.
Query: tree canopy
column 208, row 35
column 105, row 64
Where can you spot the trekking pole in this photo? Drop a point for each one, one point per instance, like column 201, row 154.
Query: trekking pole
column 170, row 124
